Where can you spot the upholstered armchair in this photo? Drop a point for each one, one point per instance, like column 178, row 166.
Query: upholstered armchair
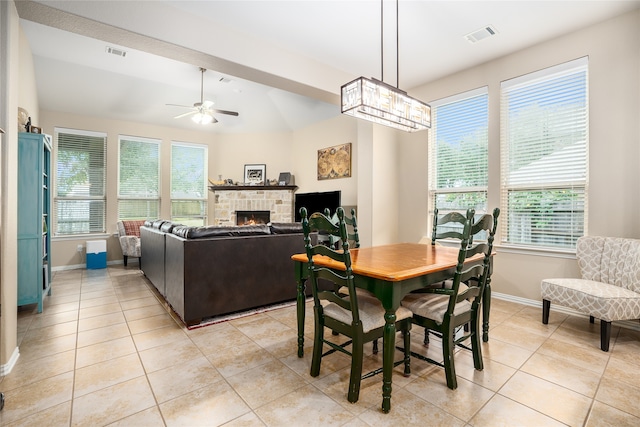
column 129, row 237
column 609, row 288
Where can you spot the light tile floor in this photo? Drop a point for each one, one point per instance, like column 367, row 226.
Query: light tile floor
column 106, row 351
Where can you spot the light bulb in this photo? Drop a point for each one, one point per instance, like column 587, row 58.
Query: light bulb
column 206, row 119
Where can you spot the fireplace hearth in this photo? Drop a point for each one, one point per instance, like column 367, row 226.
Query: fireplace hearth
column 252, row 217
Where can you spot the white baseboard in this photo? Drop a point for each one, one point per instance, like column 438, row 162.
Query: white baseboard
column 7, row 367
column 628, row 324
column 84, row 266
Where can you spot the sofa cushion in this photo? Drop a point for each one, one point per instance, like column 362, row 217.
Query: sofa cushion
column 168, row 226
column 132, row 228
column 213, row 231
column 158, row 223
column 286, row 227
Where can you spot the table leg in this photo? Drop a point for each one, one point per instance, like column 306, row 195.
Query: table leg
column 486, row 308
column 300, row 310
column 388, row 350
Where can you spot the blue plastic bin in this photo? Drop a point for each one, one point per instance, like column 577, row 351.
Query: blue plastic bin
column 96, row 254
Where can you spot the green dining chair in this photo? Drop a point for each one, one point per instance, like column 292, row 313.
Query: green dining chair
column 450, row 226
column 445, row 310
column 358, row 316
column 352, row 229
column 354, row 242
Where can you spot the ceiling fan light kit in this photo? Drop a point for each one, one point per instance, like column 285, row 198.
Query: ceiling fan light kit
column 202, row 112
column 202, row 118
column 378, row 102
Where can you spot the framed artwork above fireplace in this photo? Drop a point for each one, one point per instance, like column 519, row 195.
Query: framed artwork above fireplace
column 255, row 174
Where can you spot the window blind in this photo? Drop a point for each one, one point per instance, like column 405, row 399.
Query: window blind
column 458, row 152
column 79, row 202
column 188, row 183
column 544, row 156
column 138, row 178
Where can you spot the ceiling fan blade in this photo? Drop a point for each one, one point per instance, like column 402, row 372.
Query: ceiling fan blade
column 178, row 105
column 231, row 113
column 185, row 114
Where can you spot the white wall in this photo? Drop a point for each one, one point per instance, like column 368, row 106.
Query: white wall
column 27, row 89
column 304, row 155
column 412, row 190
column 613, row 48
column 384, row 176
column 233, row 151
column 9, row 99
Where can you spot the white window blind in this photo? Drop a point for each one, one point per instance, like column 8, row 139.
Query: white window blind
column 544, row 156
column 188, row 183
column 458, row 152
column 138, row 178
column 79, row 202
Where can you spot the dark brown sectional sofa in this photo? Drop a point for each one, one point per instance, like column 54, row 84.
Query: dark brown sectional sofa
column 204, row 272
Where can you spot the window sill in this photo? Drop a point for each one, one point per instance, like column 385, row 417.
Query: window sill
column 545, row 252
column 81, row 237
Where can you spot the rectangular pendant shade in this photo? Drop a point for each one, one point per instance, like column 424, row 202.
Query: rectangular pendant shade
column 378, row 102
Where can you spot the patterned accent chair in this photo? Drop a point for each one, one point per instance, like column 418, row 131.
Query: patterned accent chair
column 129, row 237
column 609, row 288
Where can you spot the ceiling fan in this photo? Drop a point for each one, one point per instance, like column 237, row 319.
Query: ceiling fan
column 202, row 112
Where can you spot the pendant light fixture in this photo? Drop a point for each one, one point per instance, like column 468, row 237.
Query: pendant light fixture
column 378, row 102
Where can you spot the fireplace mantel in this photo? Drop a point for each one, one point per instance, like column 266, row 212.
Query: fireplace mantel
column 214, row 188
column 228, row 199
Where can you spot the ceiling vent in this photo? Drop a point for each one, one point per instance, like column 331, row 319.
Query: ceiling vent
column 224, row 80
column 117, row 52
column 481, row 34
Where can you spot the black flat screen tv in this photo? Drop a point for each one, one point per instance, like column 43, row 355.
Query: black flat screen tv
column 317, row 202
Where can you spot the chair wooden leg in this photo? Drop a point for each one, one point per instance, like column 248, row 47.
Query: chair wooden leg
column 426, row 337
column 476, row 345
column 486, row 310
column 357, row 354
column 407, row 351
column 546, row 306
column 449, row 368
column 605, row 335
column 125, row 260
column 375, row 346
column 592, row 319
column 316, row 358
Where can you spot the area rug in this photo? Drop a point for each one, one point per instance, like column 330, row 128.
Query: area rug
column 219, row 319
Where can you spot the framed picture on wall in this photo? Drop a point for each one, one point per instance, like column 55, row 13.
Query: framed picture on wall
column 255, row 174
column 334, row 162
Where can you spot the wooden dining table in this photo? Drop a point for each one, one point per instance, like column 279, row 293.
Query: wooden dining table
column 389, row 272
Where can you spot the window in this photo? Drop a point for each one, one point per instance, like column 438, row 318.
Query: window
column 79, row 202
column 544, row 140
column 138, row 178
column 188, row 183
column 458, row 152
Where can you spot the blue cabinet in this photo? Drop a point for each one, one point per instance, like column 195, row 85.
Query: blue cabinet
column 34, row 218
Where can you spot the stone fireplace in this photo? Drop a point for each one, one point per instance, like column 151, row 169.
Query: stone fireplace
column 230, row 201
